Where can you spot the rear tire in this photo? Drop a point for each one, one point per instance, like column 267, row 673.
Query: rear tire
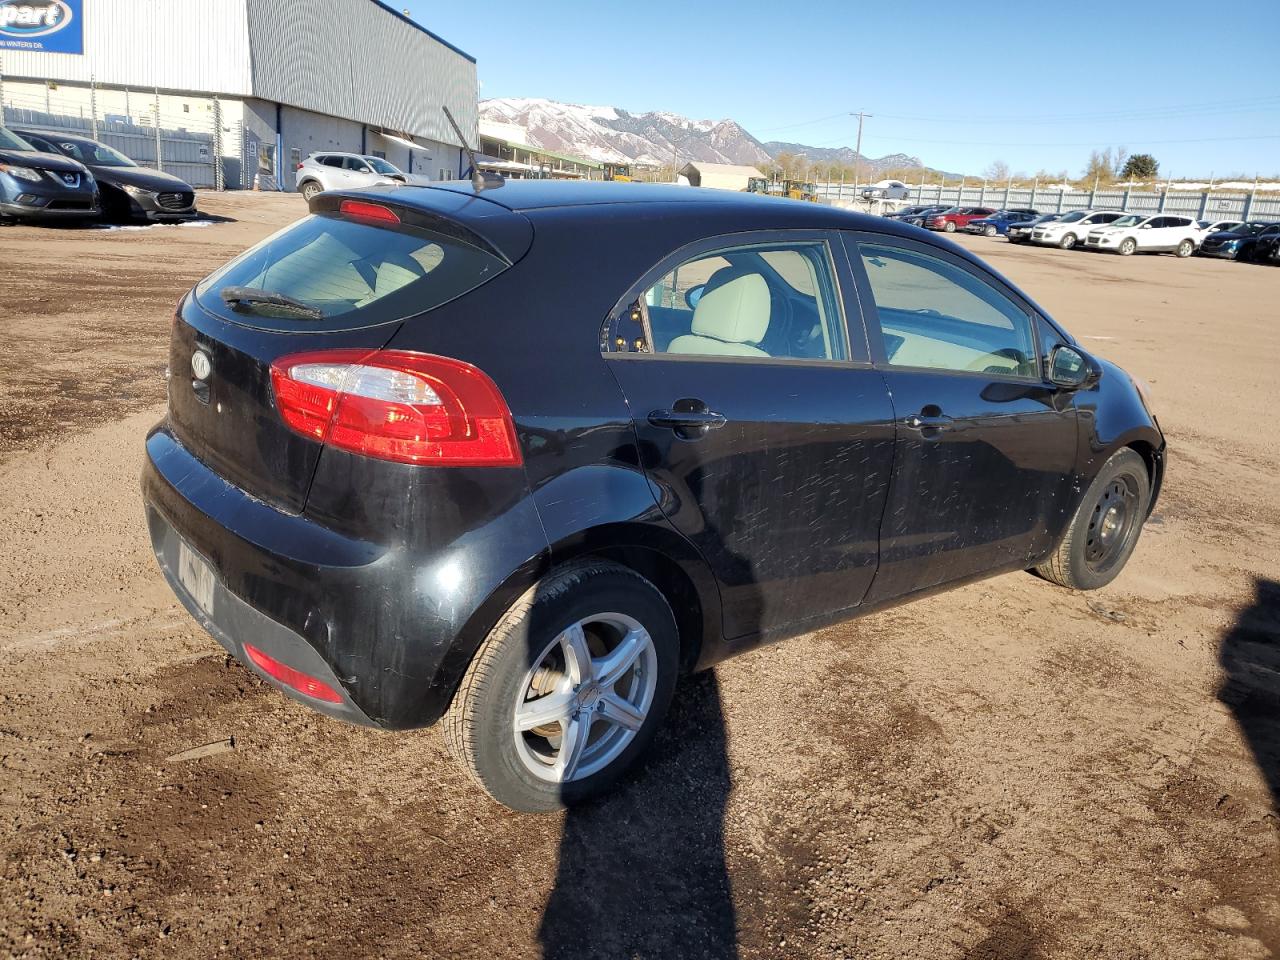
column 1185, row 249
column 310, row 189
column 1127, row 246
column 1101, row 536
column 531, row 658
column 1069, row 241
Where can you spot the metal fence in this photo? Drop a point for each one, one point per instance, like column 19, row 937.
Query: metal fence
column 1209, row 205
column 186, row 145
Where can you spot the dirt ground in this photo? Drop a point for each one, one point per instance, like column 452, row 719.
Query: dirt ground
column 1010, row 770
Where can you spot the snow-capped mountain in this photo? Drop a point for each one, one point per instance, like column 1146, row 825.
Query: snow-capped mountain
column 611, row 135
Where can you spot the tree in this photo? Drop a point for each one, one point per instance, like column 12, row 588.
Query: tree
column 997, row 171
column 1101, row 167
column 1141, row 166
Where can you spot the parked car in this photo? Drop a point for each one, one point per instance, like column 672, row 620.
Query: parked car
column 999, row 222
column 1021, row 232
column 1217, row 226
column 886, row 190
column 1139, row 233
column 527, row 527
column 955, row 218
column 1071, row 228
column 345, row 171
column 1266, row 246
column 35, row 185
column 913, row 211
column 129, row 192
column 1236, row 243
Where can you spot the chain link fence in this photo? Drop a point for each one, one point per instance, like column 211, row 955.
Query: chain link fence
column 180, row 135
column 1203, row 205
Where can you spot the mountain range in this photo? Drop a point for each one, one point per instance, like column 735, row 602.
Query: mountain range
column 612, row 135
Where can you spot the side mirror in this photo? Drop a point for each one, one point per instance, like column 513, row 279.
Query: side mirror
column 1146, row 226
column 1072, row 369
column 694, row 294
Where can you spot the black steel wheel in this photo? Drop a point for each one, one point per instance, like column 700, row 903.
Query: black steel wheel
column 1106, row 525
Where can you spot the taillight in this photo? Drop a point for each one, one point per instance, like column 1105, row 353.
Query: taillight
column 298, row 167
column 304, row 683
column 396, row 405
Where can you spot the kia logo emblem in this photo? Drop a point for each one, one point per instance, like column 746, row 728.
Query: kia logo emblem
column 201, row 366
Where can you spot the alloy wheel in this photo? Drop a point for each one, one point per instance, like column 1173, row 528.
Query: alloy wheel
column 585, row 698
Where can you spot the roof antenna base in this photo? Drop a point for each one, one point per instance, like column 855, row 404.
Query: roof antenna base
column 480, row 180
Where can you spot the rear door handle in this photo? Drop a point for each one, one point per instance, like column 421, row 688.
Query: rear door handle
column 919, row 422
column 687, row 419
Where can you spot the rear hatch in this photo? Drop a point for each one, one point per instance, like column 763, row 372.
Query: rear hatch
column 343, row 278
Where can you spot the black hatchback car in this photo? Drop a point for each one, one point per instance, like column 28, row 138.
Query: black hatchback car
column 42, row 186
column 129, row 192
column 516, row 459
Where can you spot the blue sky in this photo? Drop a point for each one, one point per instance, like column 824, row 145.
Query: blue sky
column 937, row 78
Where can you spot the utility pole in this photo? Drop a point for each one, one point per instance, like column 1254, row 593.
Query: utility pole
column 857, row 150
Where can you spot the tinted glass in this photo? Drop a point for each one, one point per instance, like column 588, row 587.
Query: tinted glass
column 356, row 164
column 353, row 272
column 11, row 141
column 936, row 314
column 763, row 301
column 89, row 152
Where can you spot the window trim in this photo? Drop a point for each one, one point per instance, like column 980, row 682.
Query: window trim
column 871, row 315
column 844, row 293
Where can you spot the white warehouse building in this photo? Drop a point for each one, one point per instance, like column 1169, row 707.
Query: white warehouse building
column 260, row 84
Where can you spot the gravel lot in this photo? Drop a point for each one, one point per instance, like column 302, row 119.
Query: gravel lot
column 1010, row 770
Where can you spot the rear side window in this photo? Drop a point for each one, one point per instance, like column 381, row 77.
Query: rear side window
column 347, row 274
column 937, row 315
column 770, row 301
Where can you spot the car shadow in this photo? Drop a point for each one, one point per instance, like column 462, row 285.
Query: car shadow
column 1250, row 659
column 642, row 871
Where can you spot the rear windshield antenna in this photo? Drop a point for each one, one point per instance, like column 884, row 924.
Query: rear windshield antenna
column 479, row 180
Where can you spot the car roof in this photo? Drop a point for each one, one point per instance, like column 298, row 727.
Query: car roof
column 595, row 198
column 59, row 134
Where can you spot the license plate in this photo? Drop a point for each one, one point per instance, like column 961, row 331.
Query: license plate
column 196, row 577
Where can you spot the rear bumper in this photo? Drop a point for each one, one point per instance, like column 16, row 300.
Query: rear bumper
column 392, row 627
column 232, row 622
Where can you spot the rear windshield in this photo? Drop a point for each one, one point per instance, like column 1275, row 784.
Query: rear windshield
column 347, row 274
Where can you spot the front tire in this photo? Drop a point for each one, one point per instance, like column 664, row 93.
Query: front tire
column 1069, row 241
column 1105, row 529
column 1127, row 246
column 950, row 226
column 1185, row 249
column 989, row 231
column 569, row 688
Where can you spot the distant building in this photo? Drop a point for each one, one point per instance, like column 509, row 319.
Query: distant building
column 506, row 150
column 258, row 82
column 723, row 176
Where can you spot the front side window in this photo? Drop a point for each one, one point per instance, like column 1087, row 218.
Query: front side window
column 765, row 301
column 937, row 315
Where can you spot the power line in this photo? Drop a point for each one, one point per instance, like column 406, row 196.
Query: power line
column 1130, row 140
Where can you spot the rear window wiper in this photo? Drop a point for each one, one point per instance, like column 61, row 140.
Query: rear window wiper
column 250, row 297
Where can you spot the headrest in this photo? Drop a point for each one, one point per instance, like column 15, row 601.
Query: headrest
column 737, row 312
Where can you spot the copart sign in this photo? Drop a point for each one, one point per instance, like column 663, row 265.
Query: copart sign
column 49, row 26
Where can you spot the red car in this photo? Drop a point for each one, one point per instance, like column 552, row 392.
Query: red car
column 957, row 218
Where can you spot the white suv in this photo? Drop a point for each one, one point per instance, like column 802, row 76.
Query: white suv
column 1072, row 227
column 344, row 171
column 1161, row 233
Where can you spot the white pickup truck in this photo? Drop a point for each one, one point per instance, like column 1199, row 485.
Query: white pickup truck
column 1142, row 233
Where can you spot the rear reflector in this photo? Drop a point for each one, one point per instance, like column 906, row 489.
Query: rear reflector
column 395, row 405
column 304, row 683
column 369, row 212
